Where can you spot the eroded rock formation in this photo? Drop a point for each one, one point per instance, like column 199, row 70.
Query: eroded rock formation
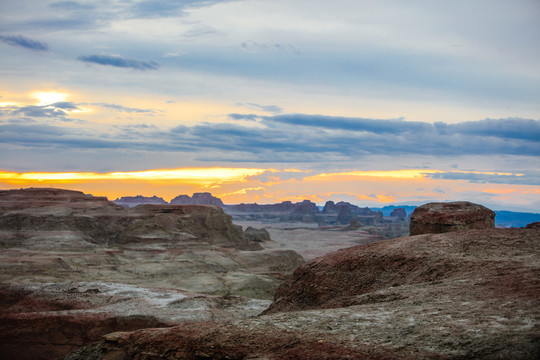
column 27, row 212
column 67, row 259
column 197, row 199
column 453, row 216
column 51, row 235
column 131, row 201
column 458, row 295
column 399, row 213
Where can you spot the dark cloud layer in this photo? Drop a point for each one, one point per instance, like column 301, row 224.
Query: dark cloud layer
column 126, row 109
column 531, row 178
column 21, row 41
column 165, row 8
column 71, row 6
column 117, row 61
column 297, row 138
column 274, row 109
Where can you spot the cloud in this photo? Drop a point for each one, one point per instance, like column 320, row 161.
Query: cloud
column 117, row 61
column 380, row 126
column 341, row 139
column 245, row 117
column 531, row 178
column 66, row 105
column 274, row 109
column 126, row 109
column 40, row 111
column 21, row 41
column 512, row 128
column 255, row 47
column 167, row 8
column 57, row 109
column 71, row 6
column 200, row 30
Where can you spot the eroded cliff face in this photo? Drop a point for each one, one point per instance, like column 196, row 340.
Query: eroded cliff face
column 27, row 212
column 75, row 267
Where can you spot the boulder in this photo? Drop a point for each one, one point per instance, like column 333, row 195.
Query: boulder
column 257, row 235
column 437, row 218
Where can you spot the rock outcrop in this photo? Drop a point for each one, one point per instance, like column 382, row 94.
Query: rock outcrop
column 434, row 218
column 26, row 212
column 131, row 201
column 306, row 211
column 257, row 235
column 184, row 223
column 50, row 235
column 197, row 199
column 399, row 213
column 343, row 212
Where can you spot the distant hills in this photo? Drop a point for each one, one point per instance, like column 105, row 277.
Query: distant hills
column 301, row 210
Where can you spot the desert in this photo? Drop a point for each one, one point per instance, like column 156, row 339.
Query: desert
column 85, row 278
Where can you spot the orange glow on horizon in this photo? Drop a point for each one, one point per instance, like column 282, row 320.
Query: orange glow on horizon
column 184, row 175
column 265, row 186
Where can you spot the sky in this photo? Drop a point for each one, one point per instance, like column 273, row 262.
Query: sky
column 370, row 102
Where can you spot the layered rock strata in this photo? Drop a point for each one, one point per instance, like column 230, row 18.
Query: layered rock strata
column 27, row 212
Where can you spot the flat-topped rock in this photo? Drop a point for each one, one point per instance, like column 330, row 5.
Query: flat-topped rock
column 434, row 218
column 96, row 220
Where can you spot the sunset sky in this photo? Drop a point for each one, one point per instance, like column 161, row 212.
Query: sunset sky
column 371, row 102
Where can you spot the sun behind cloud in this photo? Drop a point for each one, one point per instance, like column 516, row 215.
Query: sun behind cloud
column 49, row 97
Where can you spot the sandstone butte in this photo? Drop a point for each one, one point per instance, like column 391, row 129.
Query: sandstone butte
column 451, row 216
column 471, row 294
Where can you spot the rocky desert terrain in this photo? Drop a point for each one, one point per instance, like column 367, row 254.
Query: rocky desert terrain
column 83, row 278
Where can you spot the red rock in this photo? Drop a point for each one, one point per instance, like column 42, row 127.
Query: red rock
column 434, row 218
column 343, row 277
